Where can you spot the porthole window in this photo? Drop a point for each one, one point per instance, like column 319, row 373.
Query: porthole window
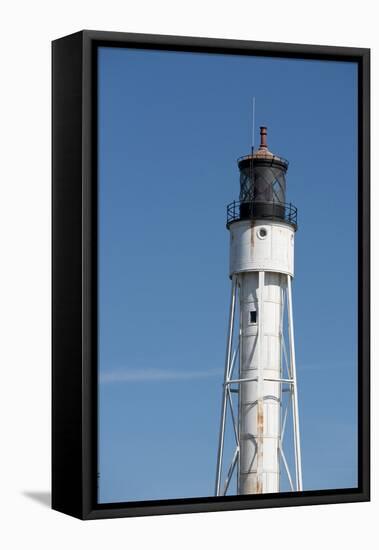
column 262, row 232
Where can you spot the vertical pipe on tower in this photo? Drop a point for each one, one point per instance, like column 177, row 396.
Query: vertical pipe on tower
column 260, row 401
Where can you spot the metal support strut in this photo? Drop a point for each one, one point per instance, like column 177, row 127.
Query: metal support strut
column 228, row 356
column 295, row 405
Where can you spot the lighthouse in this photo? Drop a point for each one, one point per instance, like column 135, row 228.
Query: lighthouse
column 259, row 391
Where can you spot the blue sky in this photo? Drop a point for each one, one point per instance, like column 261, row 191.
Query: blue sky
column 171, row 126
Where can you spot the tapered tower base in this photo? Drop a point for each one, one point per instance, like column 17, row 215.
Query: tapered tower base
column 260, row 387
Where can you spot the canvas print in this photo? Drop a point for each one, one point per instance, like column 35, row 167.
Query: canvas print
column 227, row 275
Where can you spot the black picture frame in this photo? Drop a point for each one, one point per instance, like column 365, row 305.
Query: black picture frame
column 74, row 274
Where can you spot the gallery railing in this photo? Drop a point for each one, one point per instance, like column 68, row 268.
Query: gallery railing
column 281, row 211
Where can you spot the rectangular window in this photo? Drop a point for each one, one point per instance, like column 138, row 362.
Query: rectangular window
column 253, row 317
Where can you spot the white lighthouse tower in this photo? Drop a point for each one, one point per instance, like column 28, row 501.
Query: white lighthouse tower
column 259, row 399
